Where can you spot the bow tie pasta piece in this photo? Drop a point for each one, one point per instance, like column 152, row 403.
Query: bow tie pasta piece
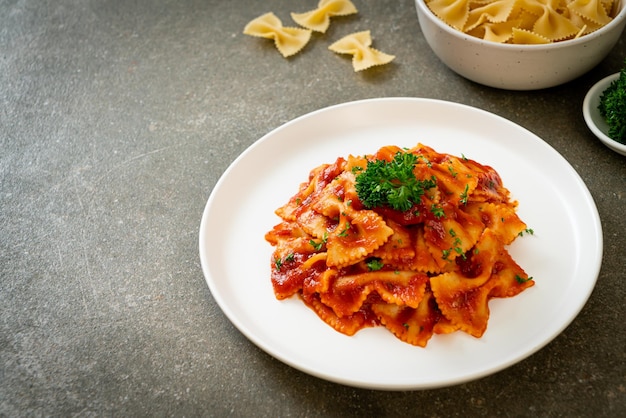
column 288, row 41
column 592, row 10
column 318, row 20
column 357, row 234
column 500, row 218
column 554, row 26
column 453, row 12
column 464, row 300
column 522, row 36
column 348, row 293
column 495, row 32
column 496, row 12
column 399, row 248
column 586, row 26
column 359, row 46
column 347, row 324
column 411, row 325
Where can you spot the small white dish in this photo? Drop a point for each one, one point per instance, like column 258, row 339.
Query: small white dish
column 594, row 120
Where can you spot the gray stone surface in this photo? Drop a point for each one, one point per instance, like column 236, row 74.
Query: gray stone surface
column 117, row 118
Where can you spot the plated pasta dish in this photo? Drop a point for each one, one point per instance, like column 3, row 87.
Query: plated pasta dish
column 409, row 239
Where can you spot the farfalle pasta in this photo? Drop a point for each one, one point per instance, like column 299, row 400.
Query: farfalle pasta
column 359, row 46
column 524, row 21
column 429, row 269
column 318, row 20
column 288, row 41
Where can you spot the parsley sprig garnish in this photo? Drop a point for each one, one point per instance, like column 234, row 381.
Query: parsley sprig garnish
column 392, row 183
column 528, row 231
column 374, row 264
column 522, row 280
column 279, row 261
column 612, row 107
column 319, row 245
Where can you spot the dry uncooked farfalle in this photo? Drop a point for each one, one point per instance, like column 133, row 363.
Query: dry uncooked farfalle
column 359, row 46
column 288, row 41
column 319, row 19
column 526, row 37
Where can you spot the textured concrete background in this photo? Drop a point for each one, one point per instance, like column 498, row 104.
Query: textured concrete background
column 116, row 120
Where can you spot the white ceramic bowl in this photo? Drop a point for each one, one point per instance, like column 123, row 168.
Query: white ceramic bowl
column 594, row 120
column 518, row 67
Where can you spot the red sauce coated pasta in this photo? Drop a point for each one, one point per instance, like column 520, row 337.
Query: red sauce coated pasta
column 427, row 270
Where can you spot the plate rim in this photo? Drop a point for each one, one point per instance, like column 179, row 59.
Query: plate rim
column 597, row 228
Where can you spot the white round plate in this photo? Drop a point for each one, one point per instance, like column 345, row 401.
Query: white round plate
column 594, row 120
column 564, row 254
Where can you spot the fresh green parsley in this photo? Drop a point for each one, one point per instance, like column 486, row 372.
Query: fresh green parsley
column 521, row 279
column 612, row 107
column 464, row 196
column 528, row 231
column 392, row 183
column 278, row 262
column 437, row 211
column 426, row 161
column 318, row 245
column 344, row 233
column 451, row 170
column 375, row 264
